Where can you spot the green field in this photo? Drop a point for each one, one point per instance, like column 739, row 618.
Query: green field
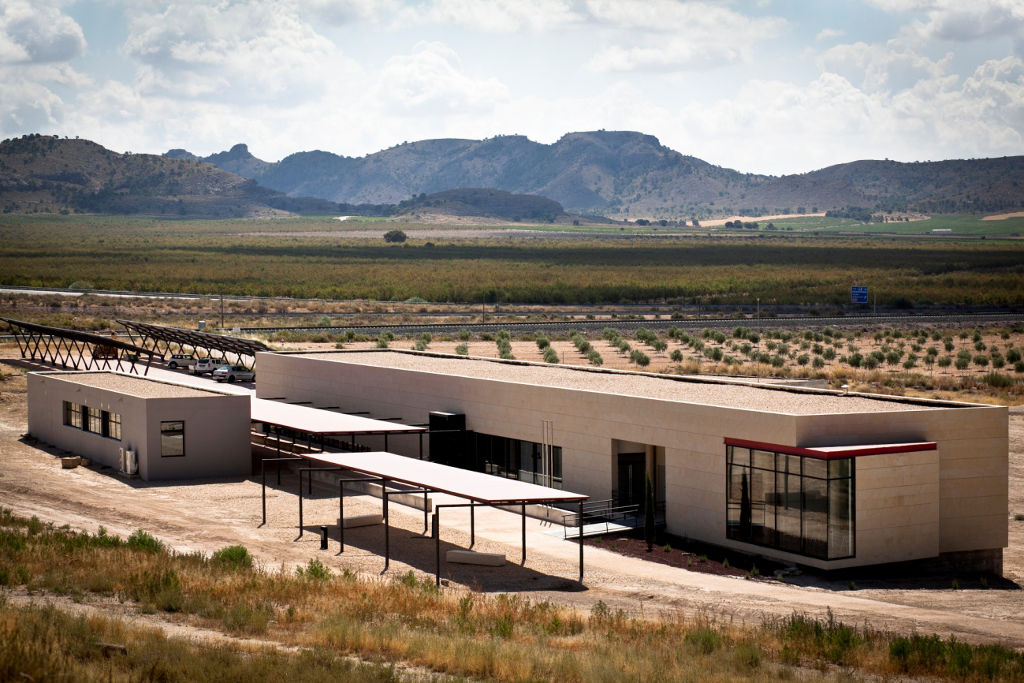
column 272, row 258
column 972, row 226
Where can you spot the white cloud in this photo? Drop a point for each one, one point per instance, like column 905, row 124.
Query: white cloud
column 975, row 20
column 249, row 51
column 431, row 80
column 500, row 16
column 829, row 34
column 33, row 33
column 340, row 12
column 27, row 106
column 672, row 34
column 873, row 67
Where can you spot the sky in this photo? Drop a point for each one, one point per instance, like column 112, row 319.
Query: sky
column 763, row 86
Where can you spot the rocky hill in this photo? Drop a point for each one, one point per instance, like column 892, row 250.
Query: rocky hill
column 484, row 203
column 624, row 174
column 46, row 174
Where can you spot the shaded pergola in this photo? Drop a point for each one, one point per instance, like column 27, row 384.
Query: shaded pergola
column 77, row 349
column 421, row 476
column 316, row 425
column 166, row 340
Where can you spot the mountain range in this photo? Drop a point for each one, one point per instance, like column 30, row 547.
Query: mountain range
column 599, row 173
column 627, row 174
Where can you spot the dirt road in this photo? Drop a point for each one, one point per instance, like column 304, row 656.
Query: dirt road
column 209, row 515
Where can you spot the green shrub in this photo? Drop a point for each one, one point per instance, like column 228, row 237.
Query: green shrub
column 462, row 350
column 140, row 540
column 315, row 570
column 464, row 335
column 233, row 557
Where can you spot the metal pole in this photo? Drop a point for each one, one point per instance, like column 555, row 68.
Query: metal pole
column 472, row 524
column 300, row 503
column 437, row 546
column 387, row 524
column 341, row 515
column 263, row 492
column 581, row 539
column 426, row 511
column 524, row 534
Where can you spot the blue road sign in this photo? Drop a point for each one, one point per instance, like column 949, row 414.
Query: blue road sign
column 858, row 295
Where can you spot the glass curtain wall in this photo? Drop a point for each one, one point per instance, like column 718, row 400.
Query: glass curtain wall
column 516, row 459
column 799, row 504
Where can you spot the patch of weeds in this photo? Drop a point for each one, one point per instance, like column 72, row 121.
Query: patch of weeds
column 159, row 589
column 502, row 627
column 247, row 619
column 141, row 540
column 34, row 526
column 667, row 548
column 747, row 655
column 315, row 570
column 233, row 557
column 704, row 639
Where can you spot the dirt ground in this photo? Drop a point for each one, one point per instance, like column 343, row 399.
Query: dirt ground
column 208, row 515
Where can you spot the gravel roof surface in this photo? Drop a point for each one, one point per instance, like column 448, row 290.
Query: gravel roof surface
column 730, row 395
column 134, row 386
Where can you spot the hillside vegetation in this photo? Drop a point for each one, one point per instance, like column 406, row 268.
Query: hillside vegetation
column 628, row 174
column 46, row 174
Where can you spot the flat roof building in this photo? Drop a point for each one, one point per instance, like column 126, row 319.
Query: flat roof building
column 817, row 477
column 174, row 431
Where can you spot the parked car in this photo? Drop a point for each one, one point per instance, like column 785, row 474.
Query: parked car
column 205, row 365
column 234, row 373
column 181, row 360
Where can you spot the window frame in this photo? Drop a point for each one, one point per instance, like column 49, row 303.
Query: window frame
column 167, row 432
column 781, row 476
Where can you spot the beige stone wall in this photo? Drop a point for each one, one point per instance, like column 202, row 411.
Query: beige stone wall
column 908, row 505
column 216, row 428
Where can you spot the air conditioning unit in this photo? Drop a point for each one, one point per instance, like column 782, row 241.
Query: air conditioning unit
column 122, row 466
column 131, row 461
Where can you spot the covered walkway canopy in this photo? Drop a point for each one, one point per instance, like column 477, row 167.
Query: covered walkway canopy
column 429, row 477
column 75, row 348
column 320, row 423
column 221, row 344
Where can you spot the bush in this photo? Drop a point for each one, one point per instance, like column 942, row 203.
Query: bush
column 462, row 350
column 315, row 570
column 550, row 356
column 676, row 356
column 140, row 540
column 233, row 557
column 395, row 236
column 463, row 335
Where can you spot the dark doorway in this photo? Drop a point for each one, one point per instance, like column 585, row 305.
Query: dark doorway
column 631, row 478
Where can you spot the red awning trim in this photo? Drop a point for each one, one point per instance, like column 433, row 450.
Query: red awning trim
column 834, row 452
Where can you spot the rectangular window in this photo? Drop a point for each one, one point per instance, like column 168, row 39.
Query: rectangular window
column 112, row 425
column 799, row 504
column 94, row 420
column 517, row 459
column 172, row 439
column 73, row 415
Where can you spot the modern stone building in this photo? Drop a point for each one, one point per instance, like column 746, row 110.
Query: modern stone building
column 816, row 477
column 175, row 432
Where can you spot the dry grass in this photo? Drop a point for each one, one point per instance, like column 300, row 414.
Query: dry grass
column 407, row 621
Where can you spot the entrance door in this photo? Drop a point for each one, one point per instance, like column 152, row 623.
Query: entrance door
column 631, row 478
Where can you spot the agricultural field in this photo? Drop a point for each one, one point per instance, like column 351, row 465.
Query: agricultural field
column 312, row 258
column 980, row 364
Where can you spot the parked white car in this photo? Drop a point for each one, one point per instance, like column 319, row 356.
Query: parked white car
column 234, row 373
column 205, row 365
column 181, row 360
